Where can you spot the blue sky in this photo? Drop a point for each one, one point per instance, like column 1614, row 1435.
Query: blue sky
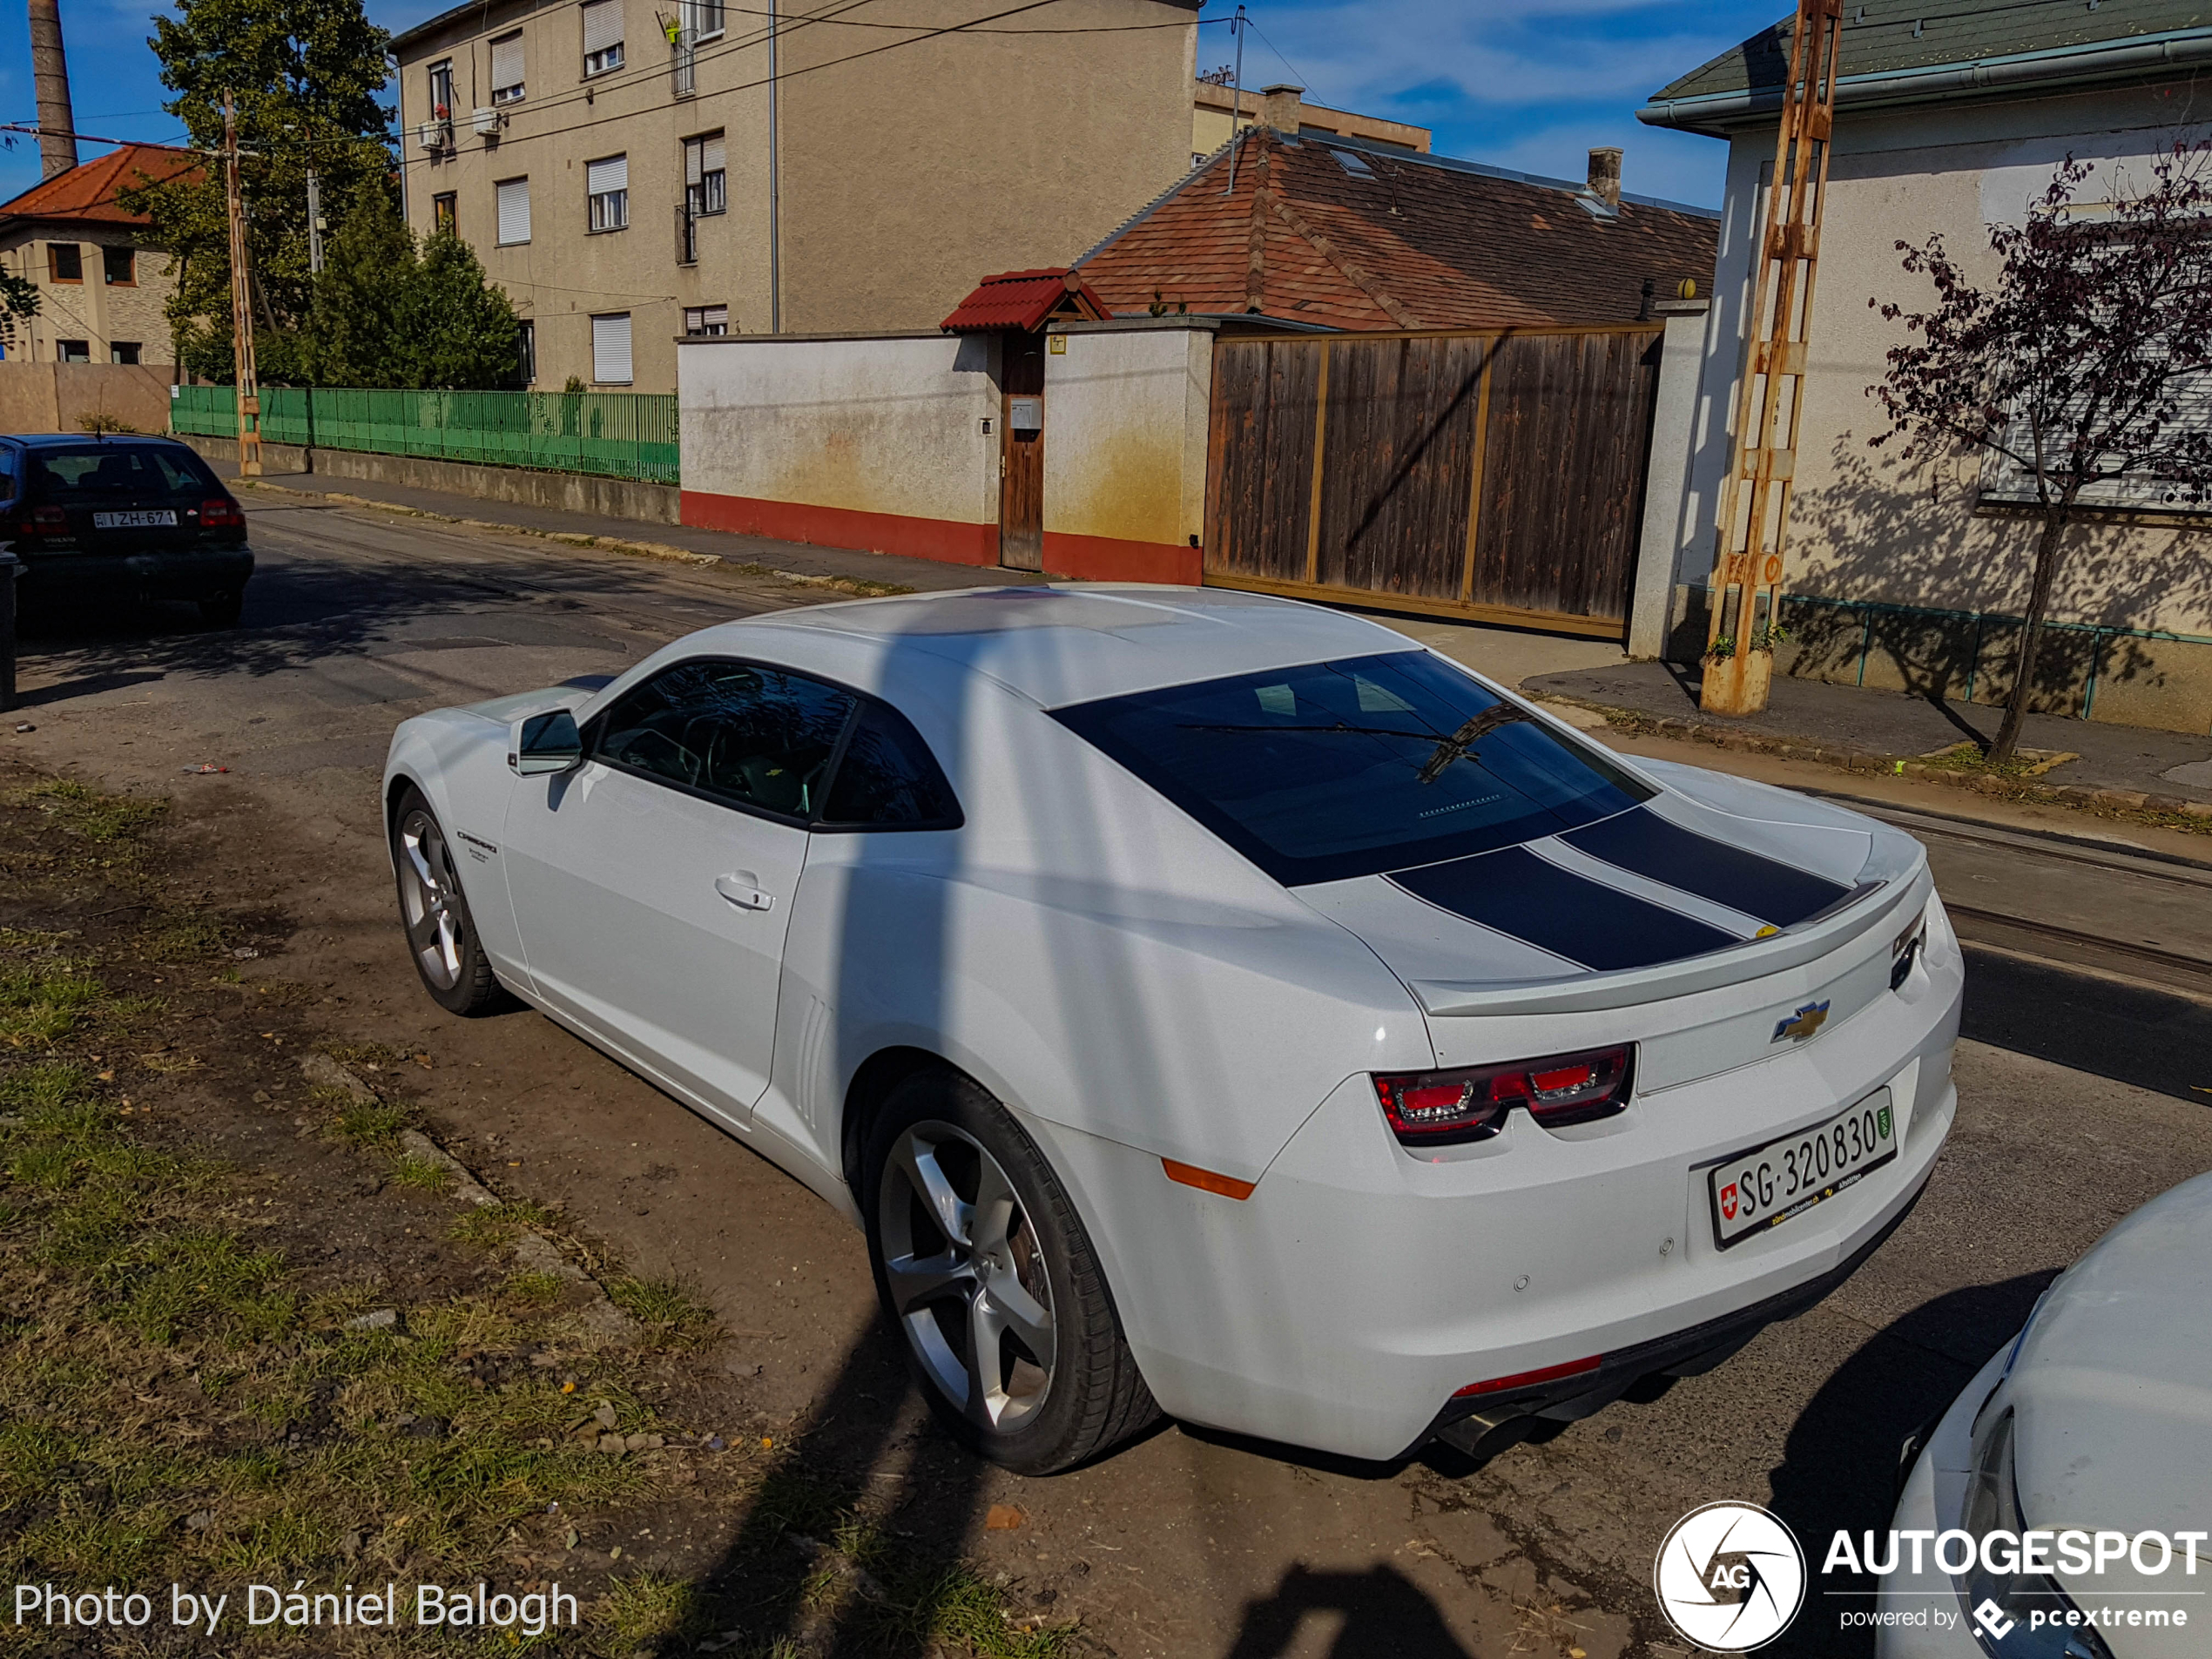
column 1532, row 85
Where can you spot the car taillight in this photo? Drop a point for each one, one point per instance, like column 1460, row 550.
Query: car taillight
column 221, row 514
column 46, row 520
column 1470, row 1104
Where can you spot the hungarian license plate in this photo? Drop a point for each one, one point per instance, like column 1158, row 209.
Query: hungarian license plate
column 147, row 520
column 1764, row 1187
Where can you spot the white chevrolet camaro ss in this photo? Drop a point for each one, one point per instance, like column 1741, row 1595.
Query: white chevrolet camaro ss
column 1211, row 1003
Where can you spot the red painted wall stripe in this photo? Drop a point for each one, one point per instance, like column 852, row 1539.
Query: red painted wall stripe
column 942, row 539
column 1108, row 558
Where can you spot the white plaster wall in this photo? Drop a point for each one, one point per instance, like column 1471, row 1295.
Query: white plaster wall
column 891, row 425
column 1865, row 524
column 1125, row 434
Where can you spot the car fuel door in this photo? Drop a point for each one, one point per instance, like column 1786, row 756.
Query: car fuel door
column 653, row 883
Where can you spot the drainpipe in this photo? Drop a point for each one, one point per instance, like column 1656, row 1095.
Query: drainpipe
column 775, row 189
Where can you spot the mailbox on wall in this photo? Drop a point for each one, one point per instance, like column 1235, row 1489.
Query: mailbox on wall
column 1025, row 414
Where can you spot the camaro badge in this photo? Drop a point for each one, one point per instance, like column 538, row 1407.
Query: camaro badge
column 1802, row 1024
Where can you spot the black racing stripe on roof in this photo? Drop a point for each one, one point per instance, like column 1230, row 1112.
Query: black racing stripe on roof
column 1569, row 915
column 1650, row 845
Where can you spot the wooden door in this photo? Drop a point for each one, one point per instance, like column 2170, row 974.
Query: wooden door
column 1022, row 452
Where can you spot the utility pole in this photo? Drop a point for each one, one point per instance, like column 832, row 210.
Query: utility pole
column 249, row 390
column 1236, row 99
column 1746, row 589
column 314, row 224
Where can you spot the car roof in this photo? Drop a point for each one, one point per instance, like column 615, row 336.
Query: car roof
column 1060, row 645
column 54, row 440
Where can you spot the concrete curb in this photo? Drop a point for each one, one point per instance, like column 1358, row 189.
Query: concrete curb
column 2193, row 815
column 660, row 550
column 533, row 1251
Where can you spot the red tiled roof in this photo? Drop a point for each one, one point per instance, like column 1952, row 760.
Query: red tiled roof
column 86, row 193
column 1024, row 300
column 1387, row 240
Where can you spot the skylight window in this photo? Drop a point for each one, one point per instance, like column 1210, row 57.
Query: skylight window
column 1353, row 163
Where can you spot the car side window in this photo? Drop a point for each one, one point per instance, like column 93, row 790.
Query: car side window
column 888, row 778
column 755, row 738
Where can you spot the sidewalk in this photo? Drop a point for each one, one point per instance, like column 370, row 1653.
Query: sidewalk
column 793, row 558
column 1847, row 724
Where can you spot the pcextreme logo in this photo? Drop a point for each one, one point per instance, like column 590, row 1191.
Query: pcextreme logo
column 1730, row 1577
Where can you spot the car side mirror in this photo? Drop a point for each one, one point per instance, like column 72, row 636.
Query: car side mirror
column 546, row 743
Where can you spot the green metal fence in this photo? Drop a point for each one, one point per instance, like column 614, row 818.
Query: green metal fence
column 619, row 435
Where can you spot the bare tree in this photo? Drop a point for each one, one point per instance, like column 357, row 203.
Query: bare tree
column 2085, row 361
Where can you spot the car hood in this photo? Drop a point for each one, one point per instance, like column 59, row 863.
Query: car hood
column 2111, row 1387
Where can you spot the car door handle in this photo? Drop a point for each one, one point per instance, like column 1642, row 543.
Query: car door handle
column 743, row 890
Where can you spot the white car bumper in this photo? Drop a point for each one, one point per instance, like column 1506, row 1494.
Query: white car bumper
column 1344, row 1304
column 1918, row 1614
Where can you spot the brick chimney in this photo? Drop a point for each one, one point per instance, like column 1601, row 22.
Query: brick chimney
column 49, row 70
column 1605, row 176
column 1278, row 107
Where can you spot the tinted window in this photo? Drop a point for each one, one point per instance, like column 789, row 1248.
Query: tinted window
column 752, row 737
column 98, row 471
column 888, row 777
column 1347, row 768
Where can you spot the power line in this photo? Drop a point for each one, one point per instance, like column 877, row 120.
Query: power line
column 1277, row 51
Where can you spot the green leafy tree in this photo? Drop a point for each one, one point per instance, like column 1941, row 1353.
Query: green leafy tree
column 18, row 303
column 361, row 310
column 306, row 76
column 387, row 315
column 463, row 330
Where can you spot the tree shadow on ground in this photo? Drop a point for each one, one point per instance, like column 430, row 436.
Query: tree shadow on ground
column 1839, row 1470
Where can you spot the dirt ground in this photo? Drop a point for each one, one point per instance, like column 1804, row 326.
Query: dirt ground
column 1188, row 1544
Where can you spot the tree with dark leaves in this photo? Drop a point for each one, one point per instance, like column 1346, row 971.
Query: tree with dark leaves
column 2084, row 362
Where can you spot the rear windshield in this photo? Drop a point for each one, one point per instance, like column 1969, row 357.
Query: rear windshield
column 100, row 471
column 1347, row 768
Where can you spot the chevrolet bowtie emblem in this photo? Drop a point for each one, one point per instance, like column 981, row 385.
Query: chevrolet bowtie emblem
column 1802, row 1024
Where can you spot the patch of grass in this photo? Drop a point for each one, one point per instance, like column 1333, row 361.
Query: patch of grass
column 494, row 1227
column 364, row 1057
column 42, row 1003
column 426, row 1175
column 959, row 1606
column 655, row 1607
column 366, row 1122
column 671, row 1316
column 534, row 1289
column 187, row 936
column 88, row 813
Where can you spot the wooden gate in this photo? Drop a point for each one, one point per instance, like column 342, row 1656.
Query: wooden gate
column 1494, row 476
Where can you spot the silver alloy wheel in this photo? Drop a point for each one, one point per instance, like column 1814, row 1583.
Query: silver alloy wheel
column 967, row 1275
column 430, row 899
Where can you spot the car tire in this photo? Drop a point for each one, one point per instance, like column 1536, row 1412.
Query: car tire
column 943, row 1146
column 440, row 933
column 221, row 610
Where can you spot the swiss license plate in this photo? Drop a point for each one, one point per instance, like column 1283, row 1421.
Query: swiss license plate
column 147, row 520
column 1764, row 1187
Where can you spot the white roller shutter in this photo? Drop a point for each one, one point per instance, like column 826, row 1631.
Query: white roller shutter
column 513, row 197
column 602, row 25
column 600, row 176
column 713, row 148
column 506, row 62
column 610, row 349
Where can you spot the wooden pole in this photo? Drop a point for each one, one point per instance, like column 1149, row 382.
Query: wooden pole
column 249, row 389
column 1746, row 591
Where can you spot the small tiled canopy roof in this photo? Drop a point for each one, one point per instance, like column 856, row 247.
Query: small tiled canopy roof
column 86, row 194
column 1024, row 300
column 1356, row 236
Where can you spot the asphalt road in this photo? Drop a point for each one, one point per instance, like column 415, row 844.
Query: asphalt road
column 2086, row 1086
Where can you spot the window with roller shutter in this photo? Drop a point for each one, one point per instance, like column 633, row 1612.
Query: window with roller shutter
column 513, row 196
column 507, row 80
column 610, row 349
column 602, row 36
column 606, row 182
column 705, row 182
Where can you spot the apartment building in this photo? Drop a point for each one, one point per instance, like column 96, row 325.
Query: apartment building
column 101, row 290
column 630, row 173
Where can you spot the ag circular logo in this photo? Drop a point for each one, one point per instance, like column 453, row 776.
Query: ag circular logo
column 1730, row 1577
